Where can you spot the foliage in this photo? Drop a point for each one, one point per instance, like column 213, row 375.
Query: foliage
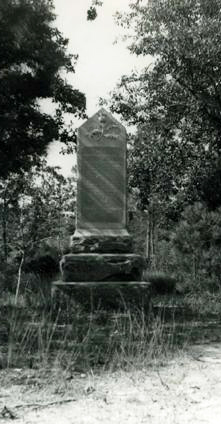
column 157, row 170
column 187, row 251
column 92, row 11
column 183, row 37
column 33, row 63
column 204, row 303
column 33, row 209
column 191, row 249
column 176, row 100
column 91, row 14
column 208, row 183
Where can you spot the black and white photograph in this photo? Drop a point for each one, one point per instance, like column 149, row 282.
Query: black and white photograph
column 110, row 211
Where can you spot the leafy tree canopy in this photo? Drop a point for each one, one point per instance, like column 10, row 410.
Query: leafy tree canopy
column 35, row 205
column 33, row 61
column 177, row 98
column 92, row 11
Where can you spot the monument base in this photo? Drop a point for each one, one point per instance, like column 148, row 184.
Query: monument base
column 108, row 295
column 101, row 267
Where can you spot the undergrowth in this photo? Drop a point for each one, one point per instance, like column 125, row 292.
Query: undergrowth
column 40, row 331
column 66, row 335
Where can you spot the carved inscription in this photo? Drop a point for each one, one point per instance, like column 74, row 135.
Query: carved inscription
column 101, row 185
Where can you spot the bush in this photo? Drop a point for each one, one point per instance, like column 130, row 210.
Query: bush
column 43, row 260
column 8, row 276
column 196, row 244
column 161, row 283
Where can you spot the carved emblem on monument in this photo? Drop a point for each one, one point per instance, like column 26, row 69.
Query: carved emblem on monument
column 105, row 130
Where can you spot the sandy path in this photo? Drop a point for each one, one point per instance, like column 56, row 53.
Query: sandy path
column 187, row 390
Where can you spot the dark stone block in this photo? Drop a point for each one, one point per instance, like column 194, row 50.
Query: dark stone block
column 108, row 295
column 101, row 244
column 101, row 267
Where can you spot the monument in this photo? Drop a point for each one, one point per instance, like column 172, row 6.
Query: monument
column 101, row 256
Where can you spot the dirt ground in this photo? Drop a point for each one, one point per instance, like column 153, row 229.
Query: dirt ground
column 186, row 390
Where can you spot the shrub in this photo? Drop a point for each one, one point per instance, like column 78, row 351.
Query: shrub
column 161, row 282
column 8, row 276
column 197, row 244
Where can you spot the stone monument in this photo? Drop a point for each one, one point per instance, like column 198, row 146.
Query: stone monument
column 101, row 255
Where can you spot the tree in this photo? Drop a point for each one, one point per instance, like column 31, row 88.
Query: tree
column 177, row 98
column 33, row 63
column 35, row 208
column 157, row 178
column 183, row 37
column 92, row 11
column 197, row 241
column 10, row 190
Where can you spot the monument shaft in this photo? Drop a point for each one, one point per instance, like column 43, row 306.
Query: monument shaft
column 101, row 186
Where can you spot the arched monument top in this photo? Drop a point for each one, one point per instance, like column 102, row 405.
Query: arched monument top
column 102, row 126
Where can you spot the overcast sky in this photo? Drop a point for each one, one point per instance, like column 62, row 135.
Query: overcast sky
column 101, row 61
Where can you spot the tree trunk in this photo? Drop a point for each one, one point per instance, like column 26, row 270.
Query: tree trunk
column 19, row 278
column 150, row 240
column 4, row 228
column 147, row 247
column 153, row 239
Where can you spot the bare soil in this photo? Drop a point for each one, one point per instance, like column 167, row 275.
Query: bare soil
column 185, row 390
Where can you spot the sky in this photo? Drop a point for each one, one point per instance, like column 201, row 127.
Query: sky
column 101, row 61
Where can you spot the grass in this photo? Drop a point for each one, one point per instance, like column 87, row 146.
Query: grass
column 40, row 333
column 69, row 337
column 123, row 344
column 206, row 303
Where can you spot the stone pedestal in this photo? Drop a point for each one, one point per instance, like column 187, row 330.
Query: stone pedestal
column 107, row 295
column 101, row 267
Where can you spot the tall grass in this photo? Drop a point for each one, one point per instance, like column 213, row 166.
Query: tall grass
column 40, row 331
column 73, row 339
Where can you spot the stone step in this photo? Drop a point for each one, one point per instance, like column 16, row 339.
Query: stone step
column 101, row 267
